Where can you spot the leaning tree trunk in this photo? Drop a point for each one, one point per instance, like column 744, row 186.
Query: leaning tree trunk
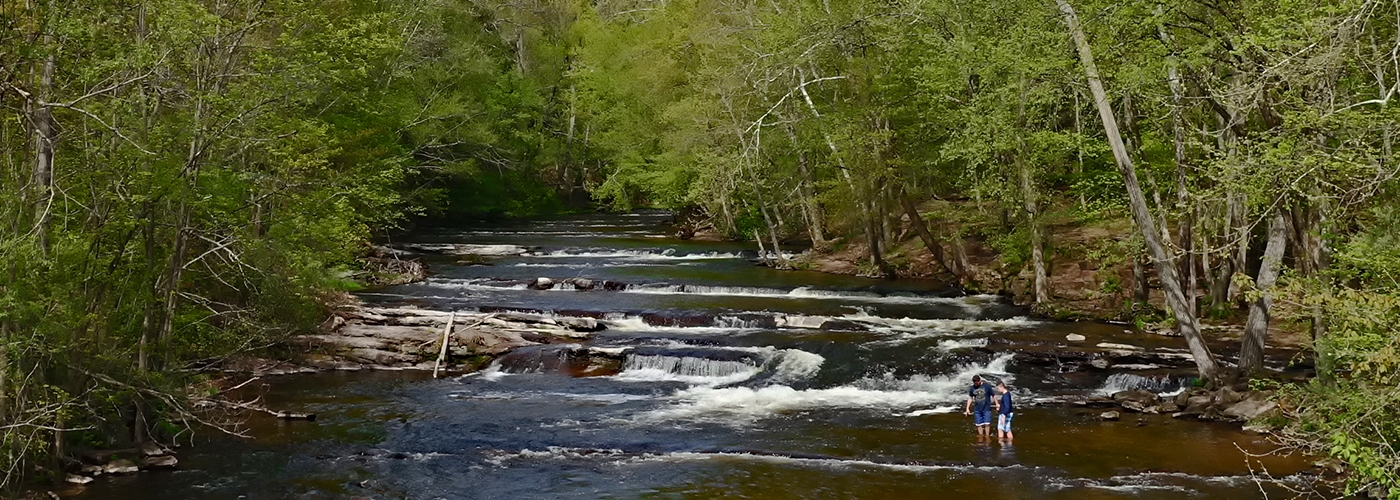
column 1256, row 328
column 927, row 237
column 1166, row 267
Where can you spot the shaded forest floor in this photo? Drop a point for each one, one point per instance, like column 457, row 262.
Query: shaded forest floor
column 1089, row 260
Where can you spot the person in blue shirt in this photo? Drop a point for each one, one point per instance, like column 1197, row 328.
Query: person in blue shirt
column 979, row 405
column 1004, row 413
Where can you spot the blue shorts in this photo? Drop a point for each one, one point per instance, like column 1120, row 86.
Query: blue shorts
column 1004, row 422
column 982, row 417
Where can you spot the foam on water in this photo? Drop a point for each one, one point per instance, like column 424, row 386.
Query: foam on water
column 952, row 344
column 912, row 325
column 735, row 404
column 642, row 255
column 799, row 293
column 932, row 411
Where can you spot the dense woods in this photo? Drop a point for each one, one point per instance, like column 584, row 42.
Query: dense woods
column 184, row 180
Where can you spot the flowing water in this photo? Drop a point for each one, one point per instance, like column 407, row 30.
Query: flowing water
column 729, row 380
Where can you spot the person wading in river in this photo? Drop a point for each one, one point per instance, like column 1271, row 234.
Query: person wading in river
column 1004, row 413
column 979, row 405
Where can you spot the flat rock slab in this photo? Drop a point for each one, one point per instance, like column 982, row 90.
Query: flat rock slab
column 379, row 357
column 392, row 333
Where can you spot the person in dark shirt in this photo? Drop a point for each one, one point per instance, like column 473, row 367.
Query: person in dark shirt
column 979, row 405
column 1004, row 413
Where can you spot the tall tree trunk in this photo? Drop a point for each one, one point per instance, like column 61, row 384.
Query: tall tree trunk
column 748, row 163
column 811, row 211
column 1028, row 195
column 565, row 179
column 1166, row 267
column 44, row 137
column 1028, row 198
column 872, row 238
column 1256, row 328
column 1141, row 292
column 1184, row 239
column 171, row 293
column 815, row 218
column 1239, row 249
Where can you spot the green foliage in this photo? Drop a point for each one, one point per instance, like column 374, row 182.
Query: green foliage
column 211, row 190
column 1355, row 423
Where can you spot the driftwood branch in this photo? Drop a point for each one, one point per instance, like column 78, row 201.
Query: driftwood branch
column 446, row 332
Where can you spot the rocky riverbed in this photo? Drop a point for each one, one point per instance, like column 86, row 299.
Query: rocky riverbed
column 594, row 356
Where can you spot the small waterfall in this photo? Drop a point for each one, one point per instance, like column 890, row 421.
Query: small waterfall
column 1119, row 382
column 642, row 367
column 744, row 323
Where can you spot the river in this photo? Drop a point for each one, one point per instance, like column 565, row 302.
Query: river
column 738, row 381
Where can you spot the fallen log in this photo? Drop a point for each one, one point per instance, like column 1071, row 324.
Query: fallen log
column 442, row 354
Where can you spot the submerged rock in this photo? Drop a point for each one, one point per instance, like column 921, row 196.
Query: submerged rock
column 1075, row 337
column 76, row 479
column 1110, row 415
column 161, row 462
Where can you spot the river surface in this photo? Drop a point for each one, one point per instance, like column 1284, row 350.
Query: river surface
column 737, row 381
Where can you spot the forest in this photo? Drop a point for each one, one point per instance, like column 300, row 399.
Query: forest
column 184, row 181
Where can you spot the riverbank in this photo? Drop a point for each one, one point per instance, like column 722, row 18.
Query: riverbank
column 1089, row 262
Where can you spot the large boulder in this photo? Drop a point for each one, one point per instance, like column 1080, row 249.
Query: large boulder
column 1136, row 395
column 120, row 466
column 1226, row 397
column 153, row 449
column 1140, row 407
column 1250, row 406
column 541, row 284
